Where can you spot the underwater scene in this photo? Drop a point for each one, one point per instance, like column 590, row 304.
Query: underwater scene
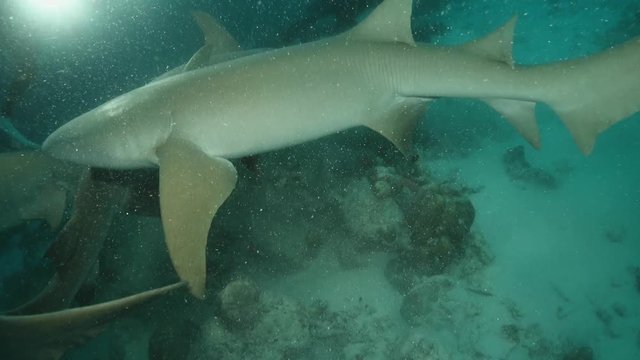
column 320, row 179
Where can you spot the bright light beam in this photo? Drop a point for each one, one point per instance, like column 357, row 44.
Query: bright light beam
column 54, row 12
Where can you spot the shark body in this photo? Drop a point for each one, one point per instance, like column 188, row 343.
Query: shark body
column 48, row 336
column 373, row 75
column 33, row 186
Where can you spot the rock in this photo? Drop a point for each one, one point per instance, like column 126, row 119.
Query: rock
column 578, row 353
column 254, row 325
column 386, row 182
column 216, row 342
column 419, row 347
column 355, row 332
column 519, row 169
column 284, row 326
column 241, row 304
column 439, row 222
column 172, row 341
column 423, row 304
column 439, row 213
column 376, row 222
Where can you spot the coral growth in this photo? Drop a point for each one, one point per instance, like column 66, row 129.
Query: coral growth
column 287, row 329
column 254, row 325
column 439, row 221
column 424, row 224
column 425, row 302
column 377, row 221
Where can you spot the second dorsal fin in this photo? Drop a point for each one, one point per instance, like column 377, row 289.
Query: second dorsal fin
column 497, row 45
column 390, row 21
column 214, row 33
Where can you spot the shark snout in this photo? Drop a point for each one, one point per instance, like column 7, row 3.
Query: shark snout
column 72, row 143
column 63, row 145
column 97, row 143
column 60, row 146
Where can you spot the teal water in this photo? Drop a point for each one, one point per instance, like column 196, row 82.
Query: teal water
column 341, row 248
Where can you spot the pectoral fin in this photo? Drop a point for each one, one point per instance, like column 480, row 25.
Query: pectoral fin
column 192, row 188
column 398, row 124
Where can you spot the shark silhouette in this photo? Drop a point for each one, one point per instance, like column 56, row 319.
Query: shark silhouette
column 49, row 335
column 373, row 75
column 33, row 186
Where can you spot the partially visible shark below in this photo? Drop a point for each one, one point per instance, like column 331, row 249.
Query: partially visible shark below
column 374, row 75
column 48, row 336
column 45, row 327
column 34, row 186
column 12, row 138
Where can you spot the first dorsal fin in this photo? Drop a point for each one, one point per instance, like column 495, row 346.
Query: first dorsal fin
column 217, row 41
column 497, row 45
column 390, row 21
column 214, row 33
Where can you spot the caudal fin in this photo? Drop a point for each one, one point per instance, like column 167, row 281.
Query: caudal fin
column 597, row 91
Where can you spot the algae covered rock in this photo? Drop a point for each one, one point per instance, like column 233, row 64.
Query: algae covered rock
column 439, row 220
column 375, row 221
column 519, row 169
column 241, row 304
column 424, row 303
column 284, row 326
column 254, row 325
column 439, row 212
column 173, row 340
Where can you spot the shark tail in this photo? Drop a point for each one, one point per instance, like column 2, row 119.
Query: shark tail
column 497, row 46
column 595, row 92
column 589, row 94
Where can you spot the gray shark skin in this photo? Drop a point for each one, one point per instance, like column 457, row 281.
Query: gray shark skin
column 373, row 75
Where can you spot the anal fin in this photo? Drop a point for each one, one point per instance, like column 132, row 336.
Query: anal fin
column 521, row 115
column 192, row 188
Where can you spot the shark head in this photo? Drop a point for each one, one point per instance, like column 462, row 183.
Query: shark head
column 76, row 141
column 112, row 135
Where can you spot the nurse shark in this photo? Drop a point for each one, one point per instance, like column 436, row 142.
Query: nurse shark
column 375, row 75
